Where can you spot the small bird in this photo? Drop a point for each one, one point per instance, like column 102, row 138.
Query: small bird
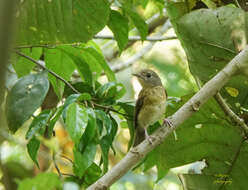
column 150, row 106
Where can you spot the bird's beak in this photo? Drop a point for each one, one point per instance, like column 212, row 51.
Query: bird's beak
column 137, row 75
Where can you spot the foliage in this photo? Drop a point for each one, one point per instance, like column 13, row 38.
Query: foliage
column 59, row 33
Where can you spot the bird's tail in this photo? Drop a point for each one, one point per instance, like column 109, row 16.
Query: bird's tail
column 139, row 136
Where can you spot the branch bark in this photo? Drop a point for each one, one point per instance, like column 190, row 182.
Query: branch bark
column 207, row 91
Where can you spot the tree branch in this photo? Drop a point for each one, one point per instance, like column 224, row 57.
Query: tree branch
column 51, row 72
column 193, row 105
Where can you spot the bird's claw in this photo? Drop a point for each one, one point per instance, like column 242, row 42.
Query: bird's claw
column 167, row 122
column 149, row 138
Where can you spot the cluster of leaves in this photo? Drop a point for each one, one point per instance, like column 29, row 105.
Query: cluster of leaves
column 85, row 113
column 50, row 31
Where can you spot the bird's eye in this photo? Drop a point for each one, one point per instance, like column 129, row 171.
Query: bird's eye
column 148, row 75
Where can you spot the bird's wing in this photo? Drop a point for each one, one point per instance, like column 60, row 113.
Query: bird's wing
column 138, row 106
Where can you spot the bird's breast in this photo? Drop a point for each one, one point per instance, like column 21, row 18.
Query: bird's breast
column 153, row 107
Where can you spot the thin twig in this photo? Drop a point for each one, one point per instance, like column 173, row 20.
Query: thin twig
column 70, row 175
column 110, row 109
column 65, row 157
column 137, row 38
column 103, row 37
column 56, row 166
column 48, row 70
column 230, row 113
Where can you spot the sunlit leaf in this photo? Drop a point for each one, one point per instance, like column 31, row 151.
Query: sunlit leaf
column 139, row 23
column 33, row 147
column 23, row 66
column 62, row 65
column 83, row 160
column 76, row 121
column 38, row 124
column 60, row 21
column 89, row 132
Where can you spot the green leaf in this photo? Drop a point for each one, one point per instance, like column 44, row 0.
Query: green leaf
column 38, row 124
column 71, row 99
column 60, row 21
column 76, row 121
column 24, row 98
column 204, row 182
column 208, row 38
column 101, row 61
column 83, row 160
column 33, row 147
column 111, row 91
column 90, row 130
column 76, row 54
column 139, row 23
column 129, row 110
column 23, row 66
column 48, row 181
column 82, row 87
column 92, row 174
column 118, row 24
column 107, row 140
column 53, row 121
column 84, row 96
column 62, row 65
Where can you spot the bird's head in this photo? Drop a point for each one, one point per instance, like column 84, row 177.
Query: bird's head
column 148, row 78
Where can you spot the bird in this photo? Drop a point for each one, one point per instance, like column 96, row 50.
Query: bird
column 150, row 105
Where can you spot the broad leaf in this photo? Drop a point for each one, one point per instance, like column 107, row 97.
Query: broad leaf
column 62, row 65
column 101, row 61
column 111, row 92
column 139, row 23
column 71, row 99
column 92, row 174
column 90, row 130
column 24, row 98
column 107, row 137
column 76, row 121
column 33, row 147
column 23, row 66
column 83, row 160
column 60, row 21
column 53, row 121
column 211, row 38
column 119, row 26
column 38, row 124
column 76, row 54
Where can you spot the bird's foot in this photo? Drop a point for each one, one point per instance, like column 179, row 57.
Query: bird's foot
column 167, row 122
column 149, row 138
